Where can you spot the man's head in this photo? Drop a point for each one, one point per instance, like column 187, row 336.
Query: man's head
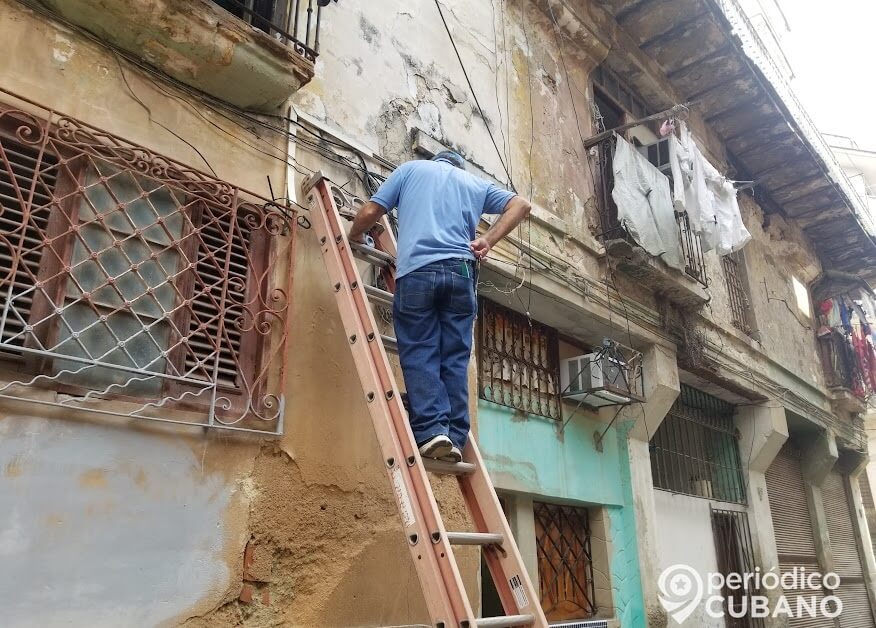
column 451, row 157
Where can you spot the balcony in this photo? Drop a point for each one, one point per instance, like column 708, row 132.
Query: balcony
column 253, row 54
column 843, row 373
column 688, row 288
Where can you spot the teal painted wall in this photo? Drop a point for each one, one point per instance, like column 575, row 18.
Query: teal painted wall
column 528, row 455
column 626, row 577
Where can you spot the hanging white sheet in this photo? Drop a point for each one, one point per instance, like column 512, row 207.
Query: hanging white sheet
column 644, row 204
column 706, row 195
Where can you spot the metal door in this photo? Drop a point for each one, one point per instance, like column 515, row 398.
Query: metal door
column 846, row 557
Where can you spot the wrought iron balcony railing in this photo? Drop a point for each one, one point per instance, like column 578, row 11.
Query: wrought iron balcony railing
column 134, row 285
column 612, row 229
column 294, row 22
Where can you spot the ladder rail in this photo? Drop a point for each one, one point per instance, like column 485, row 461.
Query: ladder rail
column 429, row 542
column 429, row 549
column 512, row 581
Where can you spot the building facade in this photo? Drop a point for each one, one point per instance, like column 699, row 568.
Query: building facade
column 185, row 441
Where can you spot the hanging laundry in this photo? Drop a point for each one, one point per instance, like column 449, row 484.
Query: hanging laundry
column 644, row 204
column 708, row 197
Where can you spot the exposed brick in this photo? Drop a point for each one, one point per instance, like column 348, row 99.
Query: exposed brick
column 246, row 593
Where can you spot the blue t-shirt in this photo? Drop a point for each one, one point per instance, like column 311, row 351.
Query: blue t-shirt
column 439, row 207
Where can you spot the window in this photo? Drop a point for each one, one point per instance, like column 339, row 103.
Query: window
column 565, row 564
column 619, row 93
column 735, row 556
column 695, row 450
column 519, row 364
column 128, row 276
column 801, row 294
column 737, row 291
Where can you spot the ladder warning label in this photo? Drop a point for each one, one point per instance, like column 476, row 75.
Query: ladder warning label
column 401, row 496
column 519, row 592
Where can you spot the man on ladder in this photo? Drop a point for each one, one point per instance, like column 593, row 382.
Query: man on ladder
column 439, row 206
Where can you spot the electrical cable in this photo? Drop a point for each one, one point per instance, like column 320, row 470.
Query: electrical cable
column 156, row 122
column 477, row 102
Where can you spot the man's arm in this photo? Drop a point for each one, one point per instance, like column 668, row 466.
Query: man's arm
column 368, row 216
column 515, row 211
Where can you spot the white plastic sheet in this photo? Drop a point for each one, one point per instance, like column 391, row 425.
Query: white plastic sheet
column 644, row 204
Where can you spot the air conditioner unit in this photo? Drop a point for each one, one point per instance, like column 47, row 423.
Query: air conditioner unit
column 658, row 154
column 595, row 379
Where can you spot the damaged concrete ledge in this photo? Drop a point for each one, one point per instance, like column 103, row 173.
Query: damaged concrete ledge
column 198, row 43
column 674, row 285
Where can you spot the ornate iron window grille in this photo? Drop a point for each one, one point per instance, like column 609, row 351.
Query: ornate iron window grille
column 733, row 265
column 133, row 284
column 565, row 561
column 519, row 362
column 695, row 450
column 293, row 22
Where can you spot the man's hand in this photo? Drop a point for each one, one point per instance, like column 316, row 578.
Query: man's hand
column 368, row 215
column 480, row 247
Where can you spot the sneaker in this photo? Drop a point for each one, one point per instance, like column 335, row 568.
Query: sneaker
column 455, row 455
column 436, row 447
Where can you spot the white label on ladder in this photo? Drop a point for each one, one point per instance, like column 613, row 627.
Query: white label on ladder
column 402, row 497
column 519, row 592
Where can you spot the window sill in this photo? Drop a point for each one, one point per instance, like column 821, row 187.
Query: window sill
column 199, row 44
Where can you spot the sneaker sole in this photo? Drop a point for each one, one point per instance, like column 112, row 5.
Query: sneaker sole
column 437, row 450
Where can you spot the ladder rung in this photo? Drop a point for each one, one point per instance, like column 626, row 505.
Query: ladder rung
column 475, row 538
column 379, row 295
column 443, row 467
column 372, row 255
column 505, row 622
column 389, row 343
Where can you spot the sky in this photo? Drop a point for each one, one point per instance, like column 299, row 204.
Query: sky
column 832, row 49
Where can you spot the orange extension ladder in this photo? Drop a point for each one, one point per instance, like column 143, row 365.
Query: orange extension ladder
column 430, row 544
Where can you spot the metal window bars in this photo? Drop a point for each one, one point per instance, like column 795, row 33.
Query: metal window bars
column 132, row 284
column 736, row 291
column 695, row 450
column 613, row 229
column 519, row 363
column 735, row 553
column 565, row 561
column 293, row 22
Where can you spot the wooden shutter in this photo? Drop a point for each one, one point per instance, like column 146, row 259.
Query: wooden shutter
column 846, row 558
column 792, row 522
column 20, row 165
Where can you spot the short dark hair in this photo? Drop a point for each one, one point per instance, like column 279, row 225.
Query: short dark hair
column 451, row 157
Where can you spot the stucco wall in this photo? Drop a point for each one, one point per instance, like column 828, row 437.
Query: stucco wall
column 684, row 537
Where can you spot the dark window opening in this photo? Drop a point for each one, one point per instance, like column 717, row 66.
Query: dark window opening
column 737, row 291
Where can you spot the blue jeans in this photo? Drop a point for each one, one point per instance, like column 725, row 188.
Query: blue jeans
column 433, row 313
